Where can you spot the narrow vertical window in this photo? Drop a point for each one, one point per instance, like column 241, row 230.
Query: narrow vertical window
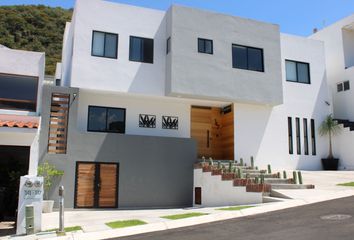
column 313, row 137
column 306, row 139
column 168, row 45
column 290, row 136
column 298, row 137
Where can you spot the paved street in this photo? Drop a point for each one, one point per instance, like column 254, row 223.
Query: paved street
column 300, row 223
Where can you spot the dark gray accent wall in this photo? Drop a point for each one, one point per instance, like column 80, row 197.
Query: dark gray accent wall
column 153, row 171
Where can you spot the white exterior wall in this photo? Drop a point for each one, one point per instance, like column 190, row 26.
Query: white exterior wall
column 134, row 106
column 262, row 131
column 343, row 149
column 120, row 75
column 338, row 39
column 216, row 192
column 212, row 76
column 25, row 63
column 339, row 48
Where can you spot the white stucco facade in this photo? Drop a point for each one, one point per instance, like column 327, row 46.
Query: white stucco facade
column 181, row 78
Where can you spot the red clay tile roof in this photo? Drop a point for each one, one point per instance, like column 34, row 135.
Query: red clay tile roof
column 7, row 120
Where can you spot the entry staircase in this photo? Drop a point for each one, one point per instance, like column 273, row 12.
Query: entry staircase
column 346, row 124
column 254, row 179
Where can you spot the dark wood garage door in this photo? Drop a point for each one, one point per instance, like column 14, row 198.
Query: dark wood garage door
column 96, row 185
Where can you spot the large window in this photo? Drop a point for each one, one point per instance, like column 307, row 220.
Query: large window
column 248, row 58
column 297, row 72
column 205, row 46
column 104, row 44
column 141, row 50
column 18, row 92
column 105, row 119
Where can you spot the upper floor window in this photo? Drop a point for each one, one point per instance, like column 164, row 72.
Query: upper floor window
column 104, row 44
column 18, row 92
column 141, row 50
column 205, row 46
column 297, row 72
column 343, row 86
column 106, row 119
column 248, row 58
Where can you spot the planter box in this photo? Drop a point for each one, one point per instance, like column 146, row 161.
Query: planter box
column 216, row 172
column 258, row 188
column 228, row 176
column 47, row 206
column 330, row 164
column 207, row 168
column 242, row 182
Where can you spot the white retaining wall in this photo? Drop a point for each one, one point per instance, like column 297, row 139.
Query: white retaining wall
column 216, row 192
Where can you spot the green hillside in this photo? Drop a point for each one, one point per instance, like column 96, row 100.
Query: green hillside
column 35, row 28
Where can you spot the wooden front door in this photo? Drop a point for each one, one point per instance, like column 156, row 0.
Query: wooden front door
column 96, row 185
column 213, row 129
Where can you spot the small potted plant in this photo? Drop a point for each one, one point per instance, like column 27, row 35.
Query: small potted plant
column 49, row 173
column 331, row 128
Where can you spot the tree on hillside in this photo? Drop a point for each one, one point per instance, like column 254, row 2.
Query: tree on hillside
column 35, row 28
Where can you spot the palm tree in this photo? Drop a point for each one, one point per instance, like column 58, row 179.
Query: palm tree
column 331, row 128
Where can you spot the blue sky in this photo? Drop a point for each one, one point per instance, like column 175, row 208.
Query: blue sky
column 294, row 16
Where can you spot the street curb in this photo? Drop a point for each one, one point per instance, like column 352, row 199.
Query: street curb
column 173, row 224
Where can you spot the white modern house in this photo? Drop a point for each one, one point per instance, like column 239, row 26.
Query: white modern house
column 21, row 78
column 146, row 93
column 338, row 40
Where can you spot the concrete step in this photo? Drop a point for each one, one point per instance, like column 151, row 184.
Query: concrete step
column 277, row 181
column 292, row 186
column 276, row 194
column 253, row 175
column 252, row 171
column 268, row 199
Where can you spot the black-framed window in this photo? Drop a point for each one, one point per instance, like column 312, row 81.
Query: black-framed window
column 141, row 49
column 104, row 44
column 290, row 135
column 313, row 137
column 168, row 45
column 298, row 136
column 249, row 58
column 297, row 72
column 106, row 119
column 346, row 85
column 18, row 92
column 343, row 86
column 306, row 138
column 205, row 46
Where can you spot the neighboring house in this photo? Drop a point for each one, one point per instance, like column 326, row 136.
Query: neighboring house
column 21, row 78
column 338, row 40
column 145, row 93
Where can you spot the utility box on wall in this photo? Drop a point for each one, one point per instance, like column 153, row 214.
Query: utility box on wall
column 30, row 194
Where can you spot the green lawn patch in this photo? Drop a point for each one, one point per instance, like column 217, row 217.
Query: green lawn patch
column 125, row 223
column 67, row 229
column 236, row 208
column 349, row 184
column 184, row 215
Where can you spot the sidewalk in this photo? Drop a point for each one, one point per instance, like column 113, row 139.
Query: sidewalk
column 94, row 227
